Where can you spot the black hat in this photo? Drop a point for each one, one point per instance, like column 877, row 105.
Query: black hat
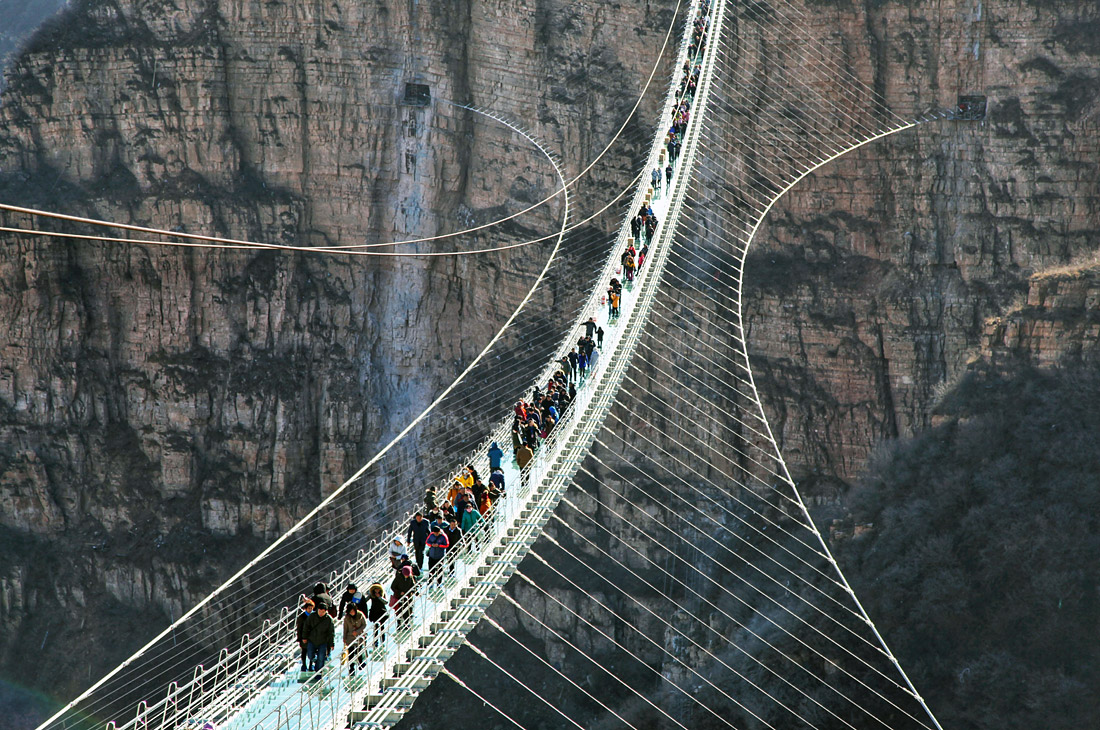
column 352, row 587
column 353, row 607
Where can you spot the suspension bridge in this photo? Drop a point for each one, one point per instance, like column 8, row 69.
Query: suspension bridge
column 727, row 605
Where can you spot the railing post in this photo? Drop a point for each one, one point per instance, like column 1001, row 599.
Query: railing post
column 169, row 699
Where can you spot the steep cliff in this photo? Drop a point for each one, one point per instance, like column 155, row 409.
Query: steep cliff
column 870, row 284
column 164, row 413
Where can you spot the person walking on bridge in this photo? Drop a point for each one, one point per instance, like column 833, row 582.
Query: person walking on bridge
column 495, row 456
column 355, row 636
column 320, row 637
column 437, row 548
column 401, row 599
column 300, row 628
column 376, row 613
column 351, row 596
column 418, row 536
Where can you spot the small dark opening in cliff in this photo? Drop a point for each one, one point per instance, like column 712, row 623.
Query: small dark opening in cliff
column 970, row 108
column 417, row 94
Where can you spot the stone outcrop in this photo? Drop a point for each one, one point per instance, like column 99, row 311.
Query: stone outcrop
column 1059, row 319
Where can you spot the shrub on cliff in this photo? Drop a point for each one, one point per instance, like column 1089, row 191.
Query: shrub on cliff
column 983, row 568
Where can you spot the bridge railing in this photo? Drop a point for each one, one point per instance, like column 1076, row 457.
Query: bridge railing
column 264, row 657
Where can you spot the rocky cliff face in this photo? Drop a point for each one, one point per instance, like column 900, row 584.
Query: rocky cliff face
column 1060, row 319
column 159, row 407
column 872, row 280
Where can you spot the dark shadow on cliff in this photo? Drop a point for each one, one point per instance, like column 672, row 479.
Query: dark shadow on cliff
column 982, row 564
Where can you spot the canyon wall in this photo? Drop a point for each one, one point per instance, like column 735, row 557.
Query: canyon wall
column 871, row 281
column 165, row 413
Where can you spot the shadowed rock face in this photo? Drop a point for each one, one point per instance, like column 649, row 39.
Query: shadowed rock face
column 21, row 17
column 870, row 283
column 159, row 408
column 166, row 412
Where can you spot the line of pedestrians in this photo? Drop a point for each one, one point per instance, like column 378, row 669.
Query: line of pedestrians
column 440, row 528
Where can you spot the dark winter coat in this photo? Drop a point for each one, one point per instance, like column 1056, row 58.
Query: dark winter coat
column 320, row 630
column 300, row 625
column 495, row 455
column 453, row 536
column 402, row 585
column 347, row 598
column 377, row 608
column 418, row 531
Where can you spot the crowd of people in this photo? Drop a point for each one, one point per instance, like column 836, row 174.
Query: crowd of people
column 440, row 528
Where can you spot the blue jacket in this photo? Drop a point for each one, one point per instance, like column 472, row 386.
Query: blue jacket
column 437, row 545
column 495, row 455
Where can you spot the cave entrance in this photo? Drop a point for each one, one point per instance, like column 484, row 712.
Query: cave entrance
column 970, row 108
column 417, row 95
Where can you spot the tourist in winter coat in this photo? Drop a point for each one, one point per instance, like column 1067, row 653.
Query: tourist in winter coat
column 470, row 518
column 531, row 435
column 397, row 551
column 376, row 612
column 437, row 546
column 496, row 479
column 320, row 637
column 417, row 535
column 402, row 587
column 321, row 595
column 438, row 543
column 453, row 533
column 300, row 628
column 495, row 456
column 524, row 456
column 355, row 630
column 351, row 596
